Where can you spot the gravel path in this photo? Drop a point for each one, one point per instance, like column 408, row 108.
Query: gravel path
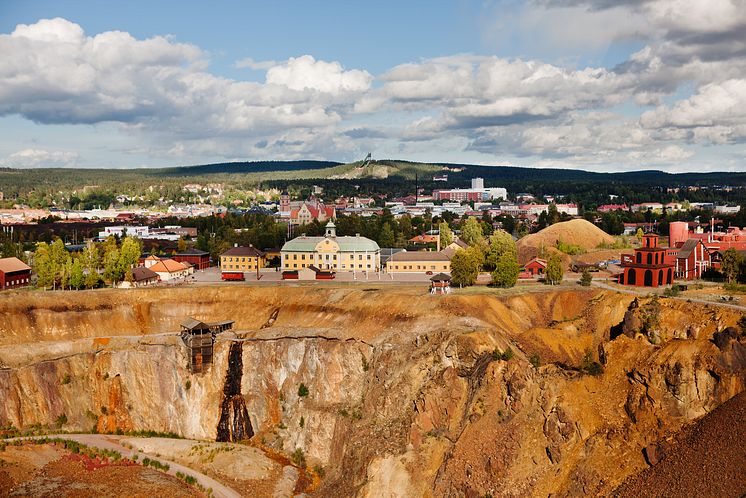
column 111, row 443
column 632, row 291
column 708, row 458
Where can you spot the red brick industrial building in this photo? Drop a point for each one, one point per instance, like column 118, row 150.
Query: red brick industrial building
column 648, row 267
column 199, row 259
column 14, row 273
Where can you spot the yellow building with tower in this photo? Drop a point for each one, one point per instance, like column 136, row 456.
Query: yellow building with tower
column 346, row 253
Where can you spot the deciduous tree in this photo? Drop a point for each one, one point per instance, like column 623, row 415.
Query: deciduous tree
column 500, row 242
column 731, row 264
column 446, row 235
column 554, row 272
column 471, row 232
column 506, row 270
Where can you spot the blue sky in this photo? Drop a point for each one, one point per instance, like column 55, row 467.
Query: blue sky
column 605, row 86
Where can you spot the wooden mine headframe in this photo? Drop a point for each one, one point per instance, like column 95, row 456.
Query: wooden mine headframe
column 199, row 338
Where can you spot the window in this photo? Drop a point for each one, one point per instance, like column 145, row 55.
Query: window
column 303, row 256
column 359, row 256
column 368, row 256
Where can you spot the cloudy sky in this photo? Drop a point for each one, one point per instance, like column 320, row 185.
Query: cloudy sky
column 600, row 85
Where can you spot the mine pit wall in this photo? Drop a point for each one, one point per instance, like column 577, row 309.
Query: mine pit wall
column 146, row 389
column 395, row 399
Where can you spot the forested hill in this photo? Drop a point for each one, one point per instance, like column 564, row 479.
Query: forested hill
column 242, row 167
column 648, row 177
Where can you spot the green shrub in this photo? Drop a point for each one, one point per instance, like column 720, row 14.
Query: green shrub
column 590, row 366
column 298, row 458
column 61, row 420
column 104, row 410
column 319, row 470
column 302, row 421
column 188, row 384
column 66, row 379
column 570, row 249
column 535, row 360
column 302, row 390
column 366, row 366
column 586, row 278
column 505, row 355
column 672, row 291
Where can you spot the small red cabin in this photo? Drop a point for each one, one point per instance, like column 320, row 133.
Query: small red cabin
column 536, row 267
column 232, row 275
column 290, row 275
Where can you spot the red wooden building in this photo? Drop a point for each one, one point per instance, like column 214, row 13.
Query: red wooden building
column 199, row 259
column 648, row 266
column 692, row 259
column 536, row 267
column 14, row 273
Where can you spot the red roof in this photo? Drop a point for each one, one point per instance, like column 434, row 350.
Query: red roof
column 536, row 261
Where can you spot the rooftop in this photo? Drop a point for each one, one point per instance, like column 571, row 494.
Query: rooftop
column 346, row 244
column 243, row 251
column 419, row 256
column 8, row 265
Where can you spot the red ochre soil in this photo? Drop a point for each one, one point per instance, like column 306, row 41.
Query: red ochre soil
column 707, row 458
column 47, row 471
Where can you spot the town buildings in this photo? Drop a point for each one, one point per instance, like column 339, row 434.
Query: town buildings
column 347, row 253
column 142, row 277
column 477, row 192
column 419, row 262
column 200, row 260
column 242, row 259
column 14, row 273
column 166, row 268
column 692, row 259
column 172, row 233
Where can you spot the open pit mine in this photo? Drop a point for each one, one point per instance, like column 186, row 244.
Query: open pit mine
column 374, row 392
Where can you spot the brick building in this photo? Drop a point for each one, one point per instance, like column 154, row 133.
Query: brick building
column 14, row 273
column 648, row 266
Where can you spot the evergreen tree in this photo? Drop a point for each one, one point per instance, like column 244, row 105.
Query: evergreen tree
column 552, row 214
column 586, row 277
column 506, row 270
column 446, row 235
column 554, row 272
column 386, row 236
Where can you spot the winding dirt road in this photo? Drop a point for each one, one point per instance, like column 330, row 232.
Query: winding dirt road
column 108, row 442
